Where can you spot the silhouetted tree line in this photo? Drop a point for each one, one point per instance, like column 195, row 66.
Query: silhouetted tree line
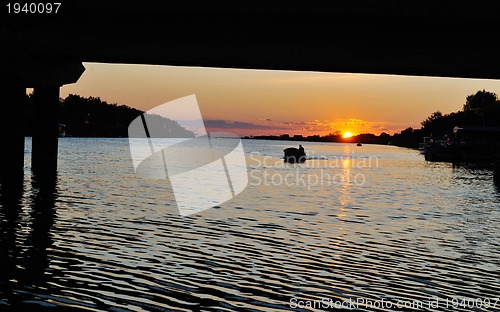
column 93, row 117
column 369, row 138
column 481, row 109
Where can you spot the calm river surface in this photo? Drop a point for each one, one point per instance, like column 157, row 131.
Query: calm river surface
column 373, row 228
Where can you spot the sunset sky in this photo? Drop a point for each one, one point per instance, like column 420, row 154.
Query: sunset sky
column 261, row 102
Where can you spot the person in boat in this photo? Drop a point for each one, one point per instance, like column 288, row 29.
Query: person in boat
column 293, row 154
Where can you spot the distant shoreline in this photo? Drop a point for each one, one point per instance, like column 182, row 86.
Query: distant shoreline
column 364, row 138
column 352, row 140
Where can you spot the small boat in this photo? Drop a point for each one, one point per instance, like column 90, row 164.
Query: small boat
column 294, row 155
column 359, row 144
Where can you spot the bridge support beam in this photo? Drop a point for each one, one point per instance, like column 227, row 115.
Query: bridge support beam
column 45, row 131
column 12, row 100
column 496, row 172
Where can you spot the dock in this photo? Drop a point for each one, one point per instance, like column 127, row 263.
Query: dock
column 470, row 145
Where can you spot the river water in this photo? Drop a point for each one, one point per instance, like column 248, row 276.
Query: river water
column 373, row 228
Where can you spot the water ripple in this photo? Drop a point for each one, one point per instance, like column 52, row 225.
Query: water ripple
column 106, row 240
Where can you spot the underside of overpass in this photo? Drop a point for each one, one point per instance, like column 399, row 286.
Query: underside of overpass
column 46, row 50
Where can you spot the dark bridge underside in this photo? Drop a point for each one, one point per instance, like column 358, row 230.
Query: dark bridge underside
column 425, row 38
column 446, row 38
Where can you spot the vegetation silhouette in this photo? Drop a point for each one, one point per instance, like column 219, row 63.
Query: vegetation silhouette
column 93, row 117
column 481, row 109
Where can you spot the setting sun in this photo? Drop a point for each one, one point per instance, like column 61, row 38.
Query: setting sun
column 347, row 135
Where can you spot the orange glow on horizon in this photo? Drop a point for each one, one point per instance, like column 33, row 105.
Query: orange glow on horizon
column 347, row 135
column 275, row 102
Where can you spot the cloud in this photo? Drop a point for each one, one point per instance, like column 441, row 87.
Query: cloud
column 229, row 124
column 352, row 124
column 307, row 127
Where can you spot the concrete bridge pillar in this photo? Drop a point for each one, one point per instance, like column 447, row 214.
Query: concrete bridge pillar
column 18, row 72
column 45, row 131
column 12, row 99
column 496, row 172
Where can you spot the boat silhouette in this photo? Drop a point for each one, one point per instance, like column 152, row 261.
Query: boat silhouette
column 294, row 155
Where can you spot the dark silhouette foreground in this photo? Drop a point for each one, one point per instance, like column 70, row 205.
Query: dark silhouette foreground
column 294, row 155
